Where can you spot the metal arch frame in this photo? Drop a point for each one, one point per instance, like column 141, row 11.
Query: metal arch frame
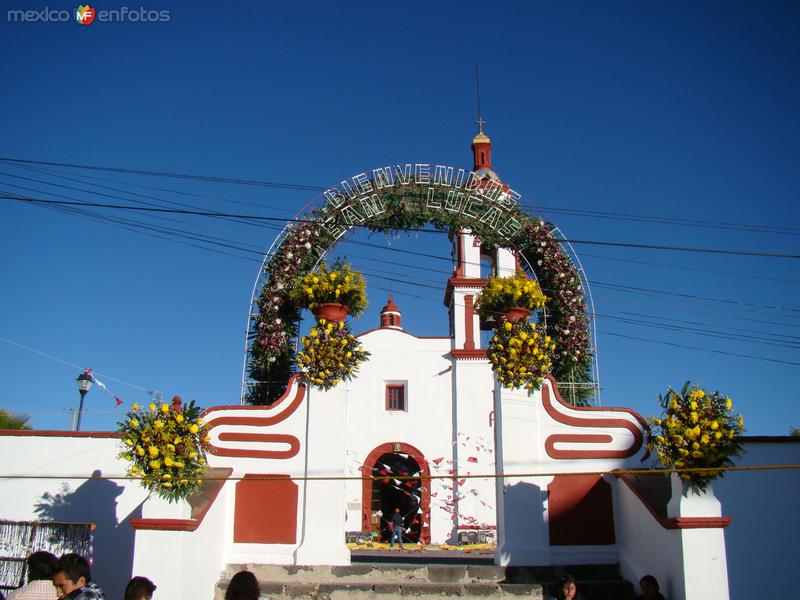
column 257, row 286
column 572, row 254
column 587, row 290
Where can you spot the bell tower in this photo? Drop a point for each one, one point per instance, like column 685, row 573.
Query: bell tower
column 474, row 263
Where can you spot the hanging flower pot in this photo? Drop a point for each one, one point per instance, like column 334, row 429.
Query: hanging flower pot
column 514, row 297
column 515, row 313
column 331, row 311
column 337, row 286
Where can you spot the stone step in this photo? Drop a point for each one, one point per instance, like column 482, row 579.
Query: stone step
column 388, row 581
column 389, row 572
column 389, row 590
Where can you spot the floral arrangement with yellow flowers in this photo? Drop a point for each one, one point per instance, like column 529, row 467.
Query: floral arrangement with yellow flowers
column 330, row 354
column 338, row 284
column 502, row 293
column 697, row 430
column 521, row 355
column 166, row 447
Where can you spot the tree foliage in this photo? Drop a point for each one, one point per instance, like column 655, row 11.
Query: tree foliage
column 9, row 420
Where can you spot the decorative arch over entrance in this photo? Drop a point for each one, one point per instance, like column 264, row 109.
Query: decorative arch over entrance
column 424, row 474
column 409, row 197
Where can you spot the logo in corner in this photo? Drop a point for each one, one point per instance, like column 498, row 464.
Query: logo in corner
column 84, row 15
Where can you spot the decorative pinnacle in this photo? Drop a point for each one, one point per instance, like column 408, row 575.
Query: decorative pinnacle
column 480, row 123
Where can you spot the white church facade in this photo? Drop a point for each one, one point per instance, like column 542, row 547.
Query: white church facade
column 424, row 427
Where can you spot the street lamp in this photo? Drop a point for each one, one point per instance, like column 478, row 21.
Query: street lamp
column 84, row 382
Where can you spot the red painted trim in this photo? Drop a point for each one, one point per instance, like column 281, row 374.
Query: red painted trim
column 424, row 476
column 271, row 407
column 474, row 354
column 165, row 524
column 54, row 433
column 273, row 438
column 253, row 522
column 402, row 389
column 260, row 421
column 698, row 522
column 587, row 422
column 186, row 524
column 459, row 254
column 469, row 328
column 678, row 522
column 580, row 511
column 467, row 282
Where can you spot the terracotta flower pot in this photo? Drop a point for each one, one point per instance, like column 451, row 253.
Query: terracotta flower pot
column 514, row 314
column 331, row 311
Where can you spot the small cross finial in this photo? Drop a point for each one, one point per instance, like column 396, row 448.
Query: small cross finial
column 480, row 123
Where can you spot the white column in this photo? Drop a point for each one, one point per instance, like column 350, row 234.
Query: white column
column 322, row 503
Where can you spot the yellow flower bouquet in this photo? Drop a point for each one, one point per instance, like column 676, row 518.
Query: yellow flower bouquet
column 517, row 291
column 338, row 284
column 697, row 430
column 521, row 355
column 330, row 354
column 166, row 447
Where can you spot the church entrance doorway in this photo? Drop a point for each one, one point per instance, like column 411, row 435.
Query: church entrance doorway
column 399, row 472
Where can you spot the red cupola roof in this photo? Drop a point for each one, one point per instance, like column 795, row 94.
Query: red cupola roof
column 391, row 315
column 482, row 153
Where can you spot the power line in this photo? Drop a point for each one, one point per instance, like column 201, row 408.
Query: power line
column 316, row 188
column 714, row 350
column 736, row 304
column 255, row 182
column 671, row 220
column 218, row 214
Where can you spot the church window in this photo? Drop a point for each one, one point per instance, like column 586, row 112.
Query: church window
column 395, row 397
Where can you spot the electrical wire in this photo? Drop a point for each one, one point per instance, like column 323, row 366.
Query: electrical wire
column 282, row 219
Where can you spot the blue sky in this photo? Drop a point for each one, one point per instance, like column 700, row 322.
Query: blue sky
column 677, row 110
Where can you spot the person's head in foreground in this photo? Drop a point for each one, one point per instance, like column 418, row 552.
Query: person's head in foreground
column 72, row 573
column 243, row 586
column 139, row 588
column 649, row 586
column 567, row 588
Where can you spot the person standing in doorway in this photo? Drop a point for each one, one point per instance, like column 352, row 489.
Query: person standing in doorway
column 398, row 526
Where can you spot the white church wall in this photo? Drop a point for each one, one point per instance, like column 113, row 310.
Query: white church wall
column 645, row 546
column 86, row 496
column 426, row 423
column 473, row 444
column 540, row 434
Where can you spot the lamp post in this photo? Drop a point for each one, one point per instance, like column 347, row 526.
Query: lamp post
column 84, row 382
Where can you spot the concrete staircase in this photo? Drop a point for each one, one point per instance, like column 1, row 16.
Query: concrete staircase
column 393, row 581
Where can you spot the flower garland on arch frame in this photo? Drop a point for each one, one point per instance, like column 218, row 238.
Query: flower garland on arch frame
column 274, row 327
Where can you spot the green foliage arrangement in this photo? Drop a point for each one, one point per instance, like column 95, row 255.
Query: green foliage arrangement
column 697, row 430
column 166, row 447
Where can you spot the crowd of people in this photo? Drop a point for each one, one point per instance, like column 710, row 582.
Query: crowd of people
column 567, row 589
column 70, row 578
